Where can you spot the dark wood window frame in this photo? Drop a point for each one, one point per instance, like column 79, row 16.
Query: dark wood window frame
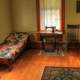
column 62, row 20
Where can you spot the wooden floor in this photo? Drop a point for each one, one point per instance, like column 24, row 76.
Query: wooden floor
column 31, row 65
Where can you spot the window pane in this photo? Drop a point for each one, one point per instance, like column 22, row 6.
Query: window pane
column 50, row 18
column 50, row 13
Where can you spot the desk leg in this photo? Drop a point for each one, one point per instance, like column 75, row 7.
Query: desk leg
column 43, row 44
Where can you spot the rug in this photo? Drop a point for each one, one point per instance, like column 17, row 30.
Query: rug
column 61, row 73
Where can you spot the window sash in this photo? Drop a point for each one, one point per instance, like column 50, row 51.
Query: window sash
column 50, row 17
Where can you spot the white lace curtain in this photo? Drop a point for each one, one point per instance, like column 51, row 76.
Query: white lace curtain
column 49, row 13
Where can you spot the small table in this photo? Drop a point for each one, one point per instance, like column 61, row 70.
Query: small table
column 54, row 35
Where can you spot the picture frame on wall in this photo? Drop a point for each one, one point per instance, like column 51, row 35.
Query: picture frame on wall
column 78, row 6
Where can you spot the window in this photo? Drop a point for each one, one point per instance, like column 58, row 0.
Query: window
column 50, row 18
column 50, row 13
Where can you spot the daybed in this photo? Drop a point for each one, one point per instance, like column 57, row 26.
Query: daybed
column 12, row 46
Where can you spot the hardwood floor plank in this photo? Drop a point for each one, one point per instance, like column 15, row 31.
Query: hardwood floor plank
column 30, row 66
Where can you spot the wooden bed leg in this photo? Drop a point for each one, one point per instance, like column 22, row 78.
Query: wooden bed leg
column 10, row 66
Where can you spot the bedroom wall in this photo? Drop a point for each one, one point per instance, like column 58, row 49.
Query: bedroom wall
column 20, row 15
column 5, row 19
column 24, row 15
column 71, row 17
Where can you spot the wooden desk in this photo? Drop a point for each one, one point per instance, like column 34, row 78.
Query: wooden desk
column 57, row 36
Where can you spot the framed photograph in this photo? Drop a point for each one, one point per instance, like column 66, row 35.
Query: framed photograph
column 78, row 6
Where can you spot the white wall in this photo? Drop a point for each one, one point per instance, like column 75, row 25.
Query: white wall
column 5, row 19
column 24, row 15
column 71, row 16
